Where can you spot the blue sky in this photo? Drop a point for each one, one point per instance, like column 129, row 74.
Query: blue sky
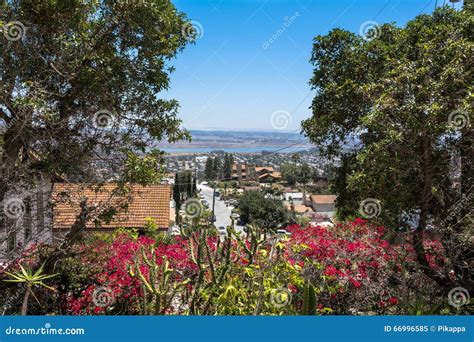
column 234, row 77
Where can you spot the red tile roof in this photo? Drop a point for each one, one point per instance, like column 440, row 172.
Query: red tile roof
column 273, row 175
column 323, row 199
column 133, row 207
column 267, row 169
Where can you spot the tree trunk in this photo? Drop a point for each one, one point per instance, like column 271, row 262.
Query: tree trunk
column 24, row 306
column 426, row 197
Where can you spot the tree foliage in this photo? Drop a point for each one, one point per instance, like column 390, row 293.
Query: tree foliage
column 403, row 102
column 262, row 208
column 79, row 86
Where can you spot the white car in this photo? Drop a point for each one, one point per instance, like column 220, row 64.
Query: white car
column 174, row 231
column 283, row 232
column 222, row 230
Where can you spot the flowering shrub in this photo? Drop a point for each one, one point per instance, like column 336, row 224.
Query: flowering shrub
column 350, row 268
column 115, row 260
column 353, row 268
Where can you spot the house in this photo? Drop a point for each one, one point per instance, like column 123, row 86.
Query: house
column 294, row 196
column 240, row 171
column 25, row 219
column 133, row 208
column 261, row 170
column 300, row 209
column 321, row 204
column 270, row 177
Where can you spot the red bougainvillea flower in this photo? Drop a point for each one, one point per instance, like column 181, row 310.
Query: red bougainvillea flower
column 393, row 300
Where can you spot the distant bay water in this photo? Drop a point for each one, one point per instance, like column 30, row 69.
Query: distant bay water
column 239, row 142
column 246, row 149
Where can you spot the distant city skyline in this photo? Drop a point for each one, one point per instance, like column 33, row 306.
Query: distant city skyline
column 250, row 68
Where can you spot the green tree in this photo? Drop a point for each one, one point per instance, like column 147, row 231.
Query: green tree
column 217, row 168
column 177, row 195
column 263, row 209
column 184, row 188
column 228, row 161
column 401, row 102
column 209, row 169
column 305, row 173
column 289, row 173
column 80, row 87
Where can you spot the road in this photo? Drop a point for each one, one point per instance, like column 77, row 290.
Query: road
column 221, row 211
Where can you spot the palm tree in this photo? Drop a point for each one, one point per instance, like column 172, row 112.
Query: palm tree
column 30, row 279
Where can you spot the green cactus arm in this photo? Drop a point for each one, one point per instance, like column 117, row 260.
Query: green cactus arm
column 309, row 300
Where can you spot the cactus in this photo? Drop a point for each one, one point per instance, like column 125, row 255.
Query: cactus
column 214, row 262
column 309, row 300
column 157, row 286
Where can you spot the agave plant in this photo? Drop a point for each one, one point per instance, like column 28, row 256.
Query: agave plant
column 30, row 279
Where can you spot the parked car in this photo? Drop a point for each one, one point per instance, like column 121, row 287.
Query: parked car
column 222, row 230
column 283, row 232
column 174, row 231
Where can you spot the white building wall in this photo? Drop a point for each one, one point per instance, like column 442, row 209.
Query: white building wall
column 33, row 224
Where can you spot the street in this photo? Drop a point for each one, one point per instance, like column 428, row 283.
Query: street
column 221, row 211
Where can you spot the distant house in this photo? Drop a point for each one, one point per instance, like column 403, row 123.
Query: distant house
column 294, row 196
column 240, row 171
column 324, row 204
column 133, row 207
column 270, row 177
column 261, row 170
column 300, row 209
column 251, row 188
